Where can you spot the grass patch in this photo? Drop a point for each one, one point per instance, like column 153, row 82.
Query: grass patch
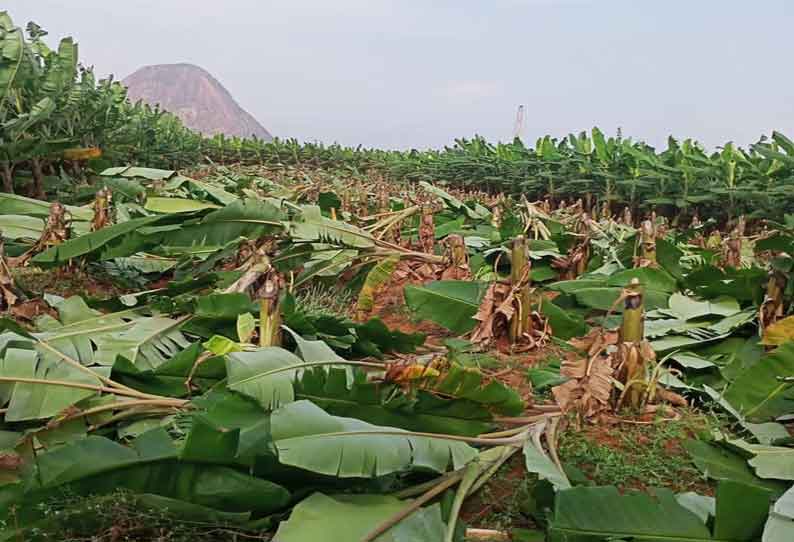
column 639, row 456
column 324, row 299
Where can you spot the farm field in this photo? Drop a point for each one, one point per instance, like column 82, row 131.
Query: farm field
column 582, row 339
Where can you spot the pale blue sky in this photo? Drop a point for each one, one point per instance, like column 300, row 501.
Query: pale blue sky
column 412, row 73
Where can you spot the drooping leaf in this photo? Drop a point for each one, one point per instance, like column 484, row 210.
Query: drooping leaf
column 21, row 227
column 32, row 401
column 92, row 243
column 650, row 278
column 564, row 324
column 538, row 462
column 376, row 278
column 604, row 298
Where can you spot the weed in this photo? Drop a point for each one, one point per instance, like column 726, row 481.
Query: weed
column 323, row 299
column 639, row 455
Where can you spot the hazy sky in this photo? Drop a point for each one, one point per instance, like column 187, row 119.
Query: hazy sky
column 412, row 73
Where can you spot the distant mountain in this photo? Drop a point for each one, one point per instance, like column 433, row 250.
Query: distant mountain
column 194, row 96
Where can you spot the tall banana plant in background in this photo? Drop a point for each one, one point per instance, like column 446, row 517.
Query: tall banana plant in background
column 39, row 84
column 12, row 57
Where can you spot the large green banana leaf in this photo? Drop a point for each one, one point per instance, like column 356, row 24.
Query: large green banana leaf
column 449, row 303
column 21, row 227
column 721, row 464
column 214, row 229
column 348, row 518
column 252, row 374
column 760, row 392
column 84, row 336
column 30, row 401
column 13, row 204
column 311, row 439
column 100, row 242
column 381, row 403
column 12, row 47
column 302, row 435
column 312, row 226
column 599, row 513
column 96, row 465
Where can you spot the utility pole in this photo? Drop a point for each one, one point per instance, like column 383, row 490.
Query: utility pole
column 519, row 126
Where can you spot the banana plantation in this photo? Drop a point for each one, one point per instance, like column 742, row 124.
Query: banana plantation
column 227, row 339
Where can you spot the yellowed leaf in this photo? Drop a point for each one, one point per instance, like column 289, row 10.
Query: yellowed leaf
column 780, row 332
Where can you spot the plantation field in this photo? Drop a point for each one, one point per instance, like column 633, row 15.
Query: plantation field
column 225, row 339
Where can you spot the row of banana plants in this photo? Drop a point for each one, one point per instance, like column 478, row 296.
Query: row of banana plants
column 56, row 118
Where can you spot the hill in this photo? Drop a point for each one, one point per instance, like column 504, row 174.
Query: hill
column 195, row 96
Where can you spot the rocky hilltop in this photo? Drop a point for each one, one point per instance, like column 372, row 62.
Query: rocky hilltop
column 196, row 97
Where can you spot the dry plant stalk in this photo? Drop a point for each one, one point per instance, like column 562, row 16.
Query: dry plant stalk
column 628, row 219
column 647, row 257
column 456, row 259
column 56, row 231
column 773, row 306
column 732, row 252
column 427, row 230
column 9, row 295
column 102, row 202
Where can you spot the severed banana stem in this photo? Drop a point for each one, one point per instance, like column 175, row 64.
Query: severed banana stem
column 263, row 282
column 427, row 230
column 773, row 306
column 520, row 278
column 634, row 353
column 647, row 245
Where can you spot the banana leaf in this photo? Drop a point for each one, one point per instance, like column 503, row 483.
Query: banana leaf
column 351, row 517
column 96, row 465
column 780, row 525
column 176, row 205
column 312, row 226
column 13, row 204
column 598, row 513
column 759, row 392
column 449, row 303
column 308, row 438
column 385, row 404
column 721, row 464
